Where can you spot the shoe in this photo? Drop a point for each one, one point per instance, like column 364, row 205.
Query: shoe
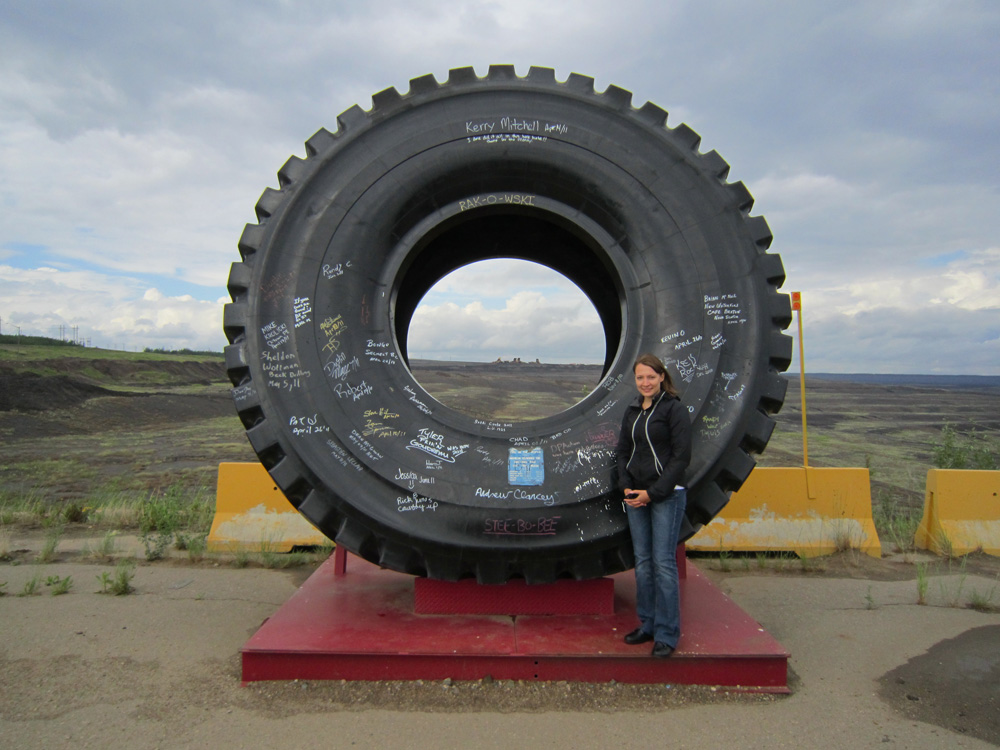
column 638, row 636
column 662, row 650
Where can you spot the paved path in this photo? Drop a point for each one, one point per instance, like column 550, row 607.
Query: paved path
column 159, row 669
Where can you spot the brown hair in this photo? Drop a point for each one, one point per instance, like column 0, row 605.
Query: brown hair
column 654, row 363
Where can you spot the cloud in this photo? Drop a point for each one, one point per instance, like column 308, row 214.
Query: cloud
column 895, row 340
column 135, row 140
column 552, row 320
column 110, row 312
column 922, row 320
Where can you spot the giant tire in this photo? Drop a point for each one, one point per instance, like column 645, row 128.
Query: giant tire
column 475, row 168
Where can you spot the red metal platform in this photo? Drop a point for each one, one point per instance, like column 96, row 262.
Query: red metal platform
column 362, row 626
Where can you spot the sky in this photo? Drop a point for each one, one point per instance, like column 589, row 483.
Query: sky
column 135, row 139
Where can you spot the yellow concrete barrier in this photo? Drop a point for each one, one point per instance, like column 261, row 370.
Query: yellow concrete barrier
column 808, row 511
column 961, row 512
column 252, row 514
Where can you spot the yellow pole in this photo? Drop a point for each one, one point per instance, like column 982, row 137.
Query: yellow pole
column 797, row 306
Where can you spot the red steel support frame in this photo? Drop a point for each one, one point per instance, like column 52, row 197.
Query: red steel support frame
column 364, row 626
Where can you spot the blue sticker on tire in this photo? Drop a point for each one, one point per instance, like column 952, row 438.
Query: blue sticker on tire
column 526, row 468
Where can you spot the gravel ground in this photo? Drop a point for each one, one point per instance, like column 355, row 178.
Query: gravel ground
column 160, row 668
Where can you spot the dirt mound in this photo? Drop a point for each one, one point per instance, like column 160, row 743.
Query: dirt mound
column 32, row 392
column 60, row 383
column 125, row 372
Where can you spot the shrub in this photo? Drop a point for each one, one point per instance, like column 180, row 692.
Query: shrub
column 972, row 451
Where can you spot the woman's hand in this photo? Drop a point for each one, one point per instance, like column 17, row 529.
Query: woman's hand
column 636, row 498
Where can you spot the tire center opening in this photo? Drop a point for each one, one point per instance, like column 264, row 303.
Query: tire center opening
column 506, row 340
column 507, row 315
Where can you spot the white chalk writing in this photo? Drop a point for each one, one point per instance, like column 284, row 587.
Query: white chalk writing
column 507, row 138
column 689, row 368
column 341, row 367
column 353, row 392
column 606, row 408
column 275, row 334
column 493, row 199
column 564, row 449
column 564, row 465
column 492, row 494
column 243, row 392
column 380, row 352
column 520, row 126
column 614, row 382
column 480, row 127
column 413, row 398
column 494, row 426
column 334, row 270
column 488, row 458
column 342, row 457
column 365, row 447
column 725, row 308
column 307, row 425
column 412, row 479
column 514, row 124
column 593, row 455
column 283, row 371
column 302, row 307
column 433, row 443
column 672, row 336
column 415, row 502
column 688, row 342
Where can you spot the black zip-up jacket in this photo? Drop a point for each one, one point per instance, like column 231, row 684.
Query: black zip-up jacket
column 654, row 446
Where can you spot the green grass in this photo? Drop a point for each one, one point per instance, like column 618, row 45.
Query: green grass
column 983, row 602
column 120, row 582
column 59, row 586
column 42, row 477
column 510, row 394
column 241, row 558
column 895, row 522
column 104, row 549
column 50, row 545
column 21, row 509
column 49, row 472
column 4, row 544
column 40, row 348
column 196, row 547
column 175, row 508
column 32, row 586
column 922, row 583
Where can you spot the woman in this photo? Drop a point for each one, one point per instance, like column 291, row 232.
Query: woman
column 654, row 449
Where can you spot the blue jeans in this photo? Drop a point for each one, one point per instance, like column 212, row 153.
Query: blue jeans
column 655, row 528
